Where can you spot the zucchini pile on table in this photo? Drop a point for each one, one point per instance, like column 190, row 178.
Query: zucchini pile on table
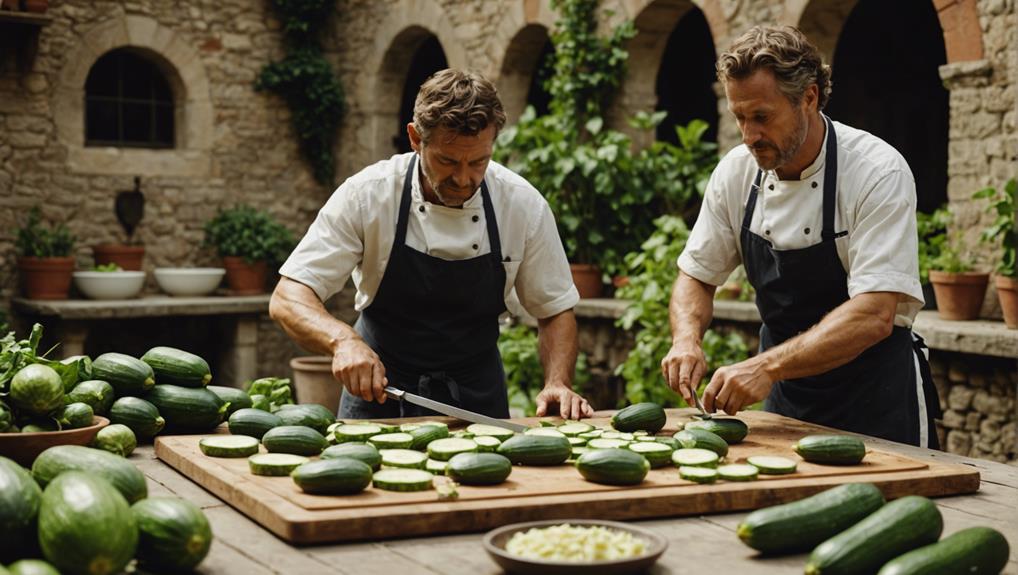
column 850, row 529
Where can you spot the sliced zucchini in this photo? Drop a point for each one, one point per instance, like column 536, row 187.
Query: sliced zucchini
column 578, row 451
column 698, row 474
column 229, row 445
column 407, row 458
column 275, row 464
column 738, row 472
column 444, row 449
column 356, row 432
column 772, row 465
column 403, row 480
column 658, row 454
column 479, row 429
column 577, row 441
column 696, row 457
column 435, row 466
column 408, row 427
column 386, row 427
column 486, row 442
column 392, row 440
column 607, row 443
column 592, row 434
column 573, row 429
column 549, row 431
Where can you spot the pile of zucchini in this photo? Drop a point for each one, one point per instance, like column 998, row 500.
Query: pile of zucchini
column 850, row 529
column 84, row 511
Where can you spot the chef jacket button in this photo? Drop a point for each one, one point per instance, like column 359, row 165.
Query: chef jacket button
column 806, row 230
column 475, row 246
column 475, row 218
column 814, row 184
column 767, row 232
column 421, row 209
column 770, row 187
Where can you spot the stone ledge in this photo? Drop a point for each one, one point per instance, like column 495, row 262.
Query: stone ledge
column 973, row 337
column 150, row 306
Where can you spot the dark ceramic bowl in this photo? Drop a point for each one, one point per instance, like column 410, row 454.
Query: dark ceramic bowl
column 495, row 542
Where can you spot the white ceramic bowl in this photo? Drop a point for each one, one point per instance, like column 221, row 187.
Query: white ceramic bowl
column 189, row 281
column 109, row 285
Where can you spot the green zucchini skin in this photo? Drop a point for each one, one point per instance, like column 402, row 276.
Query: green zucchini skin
column 138, row 414
column 702, row 439
column 896, row 528
column 308, row 415
column 237, row 398
column 173, row 534
column 340, row 476
column 19, row 502
column 647, row 416
column 187, row 409
column 128, row 375
column 121, row 473
column 831, row 449
column 535, row 449
column 730, row 429
column 479, row 468
column 253, row 422
column 177, row 367
column 976, row 550
column 802, row 525
column 364, row 452
column 613, row 466
column 294, row 439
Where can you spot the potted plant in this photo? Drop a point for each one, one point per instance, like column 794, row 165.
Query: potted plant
column 44, row 258
column 129, row 206
column 932, row 231
column 248, row 240
column 959, row 290
column 1004, row 229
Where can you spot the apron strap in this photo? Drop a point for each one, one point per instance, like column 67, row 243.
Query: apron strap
column 492, row 224
column 747, row 219
column 425, row 381
column 830, row 184
column 402, row 221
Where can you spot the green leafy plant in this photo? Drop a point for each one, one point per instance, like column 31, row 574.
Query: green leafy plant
column 932, row 231
column 17, row 353
column 652, row 272
column 270, row 392
column 245, row 232
column 524, row 375
column 954, row 257
column 304, row 78
column 37, row 241
column 110, row 267
column 603, row 194
column 1003, row 228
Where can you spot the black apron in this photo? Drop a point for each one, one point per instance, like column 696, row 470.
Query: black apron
column 876, row 393
column 434, row 325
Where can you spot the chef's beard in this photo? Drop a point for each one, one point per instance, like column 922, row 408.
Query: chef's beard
column 448, row 192
column 785, row 152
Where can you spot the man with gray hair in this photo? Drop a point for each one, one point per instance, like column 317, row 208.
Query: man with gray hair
column 439, row 242
column 822, row 215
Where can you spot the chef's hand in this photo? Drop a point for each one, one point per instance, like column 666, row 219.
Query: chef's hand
column 571, row 404
column 358, row 368
column 683, row 368
column 734, row 387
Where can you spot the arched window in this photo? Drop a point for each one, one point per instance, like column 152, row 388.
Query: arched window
column 428, row 59
column 685, row 81
column 128, row 103
column 537, row 94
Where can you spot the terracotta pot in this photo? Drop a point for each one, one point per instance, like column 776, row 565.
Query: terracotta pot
column 587, row 279
column 38, row 6
column 959, row 296
column 313, row 381
column 1007, row 292
column 129, row 258
column 244, row 278
column 46, row 278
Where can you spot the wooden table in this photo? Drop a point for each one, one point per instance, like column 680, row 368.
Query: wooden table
column 243, row 547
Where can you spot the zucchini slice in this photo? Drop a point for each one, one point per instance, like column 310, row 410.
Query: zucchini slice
column 229, row 445
column 435, row 466
column 406, row 458
column 486, row 442
column 275, row 464
column 403, row 480
column 392, row 440
column 658, row 454
column 549, row 431
column 479, row 429
column 606, row 443
column 356, row 432
column 698, row 474
column 738, row 472
column 444, row 449
column 572, row 429
column 696, row 457
column 772, row 465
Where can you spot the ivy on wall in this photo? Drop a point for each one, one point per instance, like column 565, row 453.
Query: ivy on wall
column 304, row 78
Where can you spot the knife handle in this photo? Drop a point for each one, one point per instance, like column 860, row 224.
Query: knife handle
column 394, row 393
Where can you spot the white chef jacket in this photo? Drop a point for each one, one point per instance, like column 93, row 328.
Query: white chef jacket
column 354, row 232
column 876, row 203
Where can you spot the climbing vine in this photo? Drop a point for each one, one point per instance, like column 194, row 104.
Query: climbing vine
column 305, row 80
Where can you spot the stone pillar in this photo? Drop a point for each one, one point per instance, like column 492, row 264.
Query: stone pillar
column 240, row 361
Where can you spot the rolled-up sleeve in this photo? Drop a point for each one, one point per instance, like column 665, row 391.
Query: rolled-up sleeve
column 711, row 252
column 332, row 247
column 544, row 283
column 883, row 247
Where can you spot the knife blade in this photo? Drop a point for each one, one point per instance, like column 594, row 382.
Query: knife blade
column 699, row 405
column 458, row 413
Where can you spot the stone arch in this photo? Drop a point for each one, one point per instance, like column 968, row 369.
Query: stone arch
column 654, row 21
column 823, row 20
column 407, row 26
column 519, row 65
column 181, row 66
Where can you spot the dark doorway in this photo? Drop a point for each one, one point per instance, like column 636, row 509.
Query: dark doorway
column 686, row 78
column 887, row 83
column 537, row 95
column 430, row 58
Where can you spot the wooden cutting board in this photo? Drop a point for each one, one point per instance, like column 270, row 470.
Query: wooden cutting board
column 534, row 493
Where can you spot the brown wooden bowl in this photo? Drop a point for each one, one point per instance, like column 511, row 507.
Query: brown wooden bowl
column 495, row 542
column 25, row 447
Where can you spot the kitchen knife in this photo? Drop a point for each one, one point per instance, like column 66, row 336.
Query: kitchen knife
column 451, row 411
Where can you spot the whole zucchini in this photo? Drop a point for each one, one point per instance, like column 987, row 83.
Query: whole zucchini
column 177, row 367
column 896, row 528
column 173, row 534
column 19, row 506
column 141, row 416
column 831, row 449
column 121, row 473
column 802, row 525
column 613, row 466
column 973, row 550
column 237, row 398
column 188, row 408
column 536, row 449
column 128, row 375
column 341, row 476
column 294, row 439
column 647, row 416
column 730, row 429
column 479, row 468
